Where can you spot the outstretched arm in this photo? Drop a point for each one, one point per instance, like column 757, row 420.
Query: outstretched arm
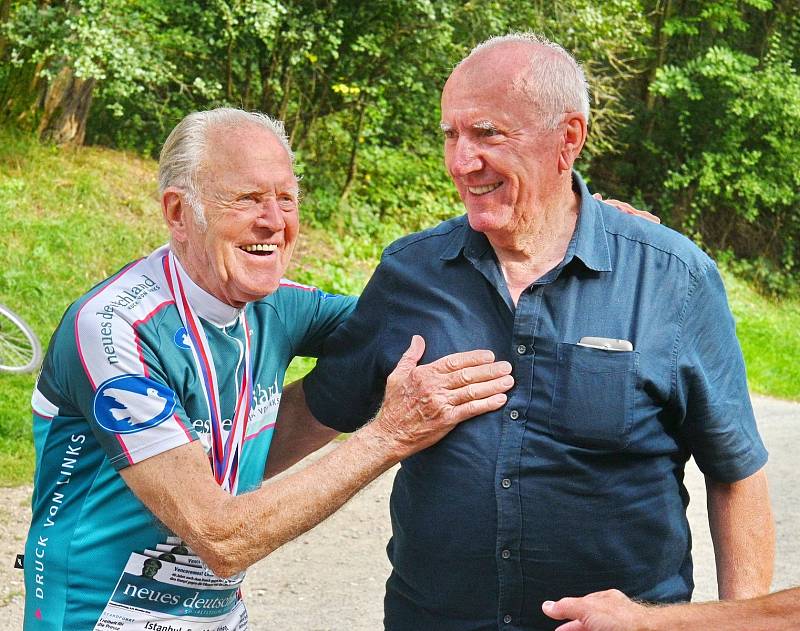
column 297, row 432
column 613, row 611
column 230, row 533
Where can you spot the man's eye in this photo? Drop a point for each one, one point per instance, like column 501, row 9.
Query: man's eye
column 490, row 131
column 449, row 133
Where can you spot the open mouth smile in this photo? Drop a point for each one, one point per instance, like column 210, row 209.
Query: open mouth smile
column 482, row 190
column 260, row 249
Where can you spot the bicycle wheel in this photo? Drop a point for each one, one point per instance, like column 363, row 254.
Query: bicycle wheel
column 20, row 350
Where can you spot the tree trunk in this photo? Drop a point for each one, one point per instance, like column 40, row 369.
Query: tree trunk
column 229, row 71
column 353, row 166
column 66, row 109
column 5, row 11
column 663, row 11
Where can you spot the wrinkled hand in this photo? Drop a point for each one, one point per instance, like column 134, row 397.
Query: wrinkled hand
column 628, row 209
column 602, row 611
column 423, row 403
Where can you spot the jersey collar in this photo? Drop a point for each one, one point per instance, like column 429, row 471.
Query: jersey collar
column 205, row 305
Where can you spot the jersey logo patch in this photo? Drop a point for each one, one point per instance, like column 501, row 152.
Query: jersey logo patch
column 131, row 403
column 181, row 339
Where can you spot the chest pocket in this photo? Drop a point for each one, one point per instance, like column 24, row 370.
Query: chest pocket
column 593, row 396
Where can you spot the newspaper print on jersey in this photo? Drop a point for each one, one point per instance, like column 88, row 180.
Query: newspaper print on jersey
column 130, row 404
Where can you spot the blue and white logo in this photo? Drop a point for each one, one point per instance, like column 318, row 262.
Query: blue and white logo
column 181, row 339
column 131, row 403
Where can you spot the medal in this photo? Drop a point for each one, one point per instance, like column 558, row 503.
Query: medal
column 226, row 447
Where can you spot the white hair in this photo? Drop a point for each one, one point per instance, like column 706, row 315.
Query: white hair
column 556, row 81
column 187, row 145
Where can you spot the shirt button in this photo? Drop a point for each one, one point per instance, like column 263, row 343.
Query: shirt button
column 521, row 349
column 506, row 483
column 506, row 554
column 506, row 618
column 514, row 415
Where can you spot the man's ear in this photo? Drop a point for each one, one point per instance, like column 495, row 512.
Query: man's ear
column 175, row 211
column 573, row 139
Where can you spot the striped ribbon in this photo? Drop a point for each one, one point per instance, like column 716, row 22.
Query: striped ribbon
column 226, row 447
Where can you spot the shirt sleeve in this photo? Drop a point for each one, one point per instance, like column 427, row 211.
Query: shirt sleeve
column 312, row 316
column 710, row 385
column 111, row 376
column 346, row 387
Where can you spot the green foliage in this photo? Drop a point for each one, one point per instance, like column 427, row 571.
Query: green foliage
column 110, row 41
column 736, row 182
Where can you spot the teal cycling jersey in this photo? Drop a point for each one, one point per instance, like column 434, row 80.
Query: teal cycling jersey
column 119, row 385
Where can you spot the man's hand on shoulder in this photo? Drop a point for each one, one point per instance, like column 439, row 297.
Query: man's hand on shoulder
column 423, row 403
column 626, row 208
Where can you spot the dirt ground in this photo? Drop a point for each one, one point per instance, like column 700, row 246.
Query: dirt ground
column 331, row 578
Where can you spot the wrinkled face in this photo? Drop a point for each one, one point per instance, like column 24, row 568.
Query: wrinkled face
column 250, row 196
column 501, row 160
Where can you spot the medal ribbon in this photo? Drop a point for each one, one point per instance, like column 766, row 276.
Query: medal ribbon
column 225, row 448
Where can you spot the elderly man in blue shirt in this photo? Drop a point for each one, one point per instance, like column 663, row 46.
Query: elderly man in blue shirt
column 625, row 363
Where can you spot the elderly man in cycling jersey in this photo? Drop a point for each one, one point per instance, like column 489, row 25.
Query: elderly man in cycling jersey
column 155, row 410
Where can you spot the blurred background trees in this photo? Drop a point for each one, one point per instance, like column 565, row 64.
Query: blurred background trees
column 696, row 103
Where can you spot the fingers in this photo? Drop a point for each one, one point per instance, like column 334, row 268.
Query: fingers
column 476, row 374
column 626, row 208
column 458, row 361
column 480, row 390
column 476, row 407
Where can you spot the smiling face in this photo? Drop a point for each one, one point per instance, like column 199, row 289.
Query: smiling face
column 250, row 195
column 504, row 164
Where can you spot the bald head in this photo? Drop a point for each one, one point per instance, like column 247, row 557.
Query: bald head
column 529, row 67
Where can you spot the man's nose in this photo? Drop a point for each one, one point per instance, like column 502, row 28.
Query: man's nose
column 465, row 158
column 270, row 215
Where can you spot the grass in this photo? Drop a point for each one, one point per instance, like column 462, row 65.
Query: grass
column 69, row 218
column 769, row 332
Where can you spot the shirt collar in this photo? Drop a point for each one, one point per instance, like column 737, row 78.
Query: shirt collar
column 473, row 244
column 588, row 243
column 205, row 305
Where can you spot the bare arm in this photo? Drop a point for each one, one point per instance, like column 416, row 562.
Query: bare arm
column 297, row 432
column 613, row 611
column 743, row 533
column 230, row 533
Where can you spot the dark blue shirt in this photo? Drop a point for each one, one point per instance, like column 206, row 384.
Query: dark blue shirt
column 576, row 484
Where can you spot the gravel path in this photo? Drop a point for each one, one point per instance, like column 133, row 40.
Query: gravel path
column 332, row 577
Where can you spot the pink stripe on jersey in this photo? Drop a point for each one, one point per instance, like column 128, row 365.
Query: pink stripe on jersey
column 263, row 429
column 124, row 448
column 290, row 283
column 183, row 427
column 42, row 415
column 78, row 315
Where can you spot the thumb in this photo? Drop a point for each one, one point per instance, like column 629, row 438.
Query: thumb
column 412, row 355
column 557, row 610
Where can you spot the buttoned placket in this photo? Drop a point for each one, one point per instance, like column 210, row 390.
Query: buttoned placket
column 509, row 502
column 527, row 313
